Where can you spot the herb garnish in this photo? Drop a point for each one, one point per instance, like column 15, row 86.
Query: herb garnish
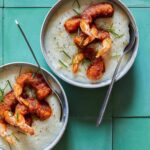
column 1, row 95
column 22, row 132
column 76, row 12
column 34, row 73
column 20, row 70
column 13, row 134
column 63, row 64
column 65, row 53
column 76, row 1
column 9, row 146
column 17, row 116
column 86, row 62
column 9, row 84
column 111, row 29
column 2, row 90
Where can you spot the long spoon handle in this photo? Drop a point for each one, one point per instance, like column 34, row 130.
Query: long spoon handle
column 39, row 66
column 32, row 52
column 105, row 103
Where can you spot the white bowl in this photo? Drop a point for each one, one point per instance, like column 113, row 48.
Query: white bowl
column 123, row 71
column 54, row 82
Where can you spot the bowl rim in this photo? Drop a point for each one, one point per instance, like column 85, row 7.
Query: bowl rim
column 62, row 130
column 107, row 82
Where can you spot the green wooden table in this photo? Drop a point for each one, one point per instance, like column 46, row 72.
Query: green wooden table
column 127, row 122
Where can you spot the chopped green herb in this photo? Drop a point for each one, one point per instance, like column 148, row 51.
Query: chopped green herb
column 125, row 43
column 22, row 132
column 17, row 116
column 9, row 84
column 9, row 146
column 112, row 31
column 20, row 70
column 2, row 90
column 34, row 73
column 76, row 12
column 63, row 64
column 1, row 95
column 66, row 54
column 81, row 42
column 86, row 62
column 13, row 134
column 5, row 86
column 76, row 1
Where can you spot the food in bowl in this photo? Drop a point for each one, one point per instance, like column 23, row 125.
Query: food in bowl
column 29, row 111
column 84, row 40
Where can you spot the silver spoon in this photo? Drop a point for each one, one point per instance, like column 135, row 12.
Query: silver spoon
column 58, row 95
column 126, row 50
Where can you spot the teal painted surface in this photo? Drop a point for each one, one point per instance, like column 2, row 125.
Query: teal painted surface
column 29, row 3
column 50, row 3
column 82, row 134
column 1, row 3
column 131, row 95
column 131, row 134
column 1, row 53
column 15, row 48
column 137, row 3
column 86, row 103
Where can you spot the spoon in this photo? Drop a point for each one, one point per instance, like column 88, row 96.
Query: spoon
column 126, row 50
column 54, row 90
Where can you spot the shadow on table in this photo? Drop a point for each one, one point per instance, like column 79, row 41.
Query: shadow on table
column 82, row 134
column 122, row 96
column 85, row 102
column 84, row 105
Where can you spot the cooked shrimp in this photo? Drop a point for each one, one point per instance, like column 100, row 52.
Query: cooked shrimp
column 33, row 106
column 101, row 35
column 23, row 110
column 28, row 119
column 76, row 62
column 72, row 24
column 89, row 53
column 106, row 46
column 6, row 114
column 102, row 10
column 79, row 39
column 37, row 82
column 8, row 102
column 94, row 11
column 96, row 69
column 4, row 134
column 18, row 120
column 83, row 40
